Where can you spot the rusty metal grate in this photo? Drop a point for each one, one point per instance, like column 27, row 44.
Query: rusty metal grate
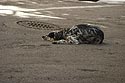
column 38, row 25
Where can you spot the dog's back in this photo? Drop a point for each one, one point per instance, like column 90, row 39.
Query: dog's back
column 87, row 33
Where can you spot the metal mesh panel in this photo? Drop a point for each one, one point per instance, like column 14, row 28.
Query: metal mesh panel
column 38, row 25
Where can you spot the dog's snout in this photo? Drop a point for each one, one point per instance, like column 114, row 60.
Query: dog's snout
column 43, row 37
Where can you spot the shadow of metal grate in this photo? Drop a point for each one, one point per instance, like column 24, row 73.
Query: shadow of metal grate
column 38, row 25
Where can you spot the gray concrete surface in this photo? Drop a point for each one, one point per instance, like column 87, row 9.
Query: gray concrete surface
column 26, row 58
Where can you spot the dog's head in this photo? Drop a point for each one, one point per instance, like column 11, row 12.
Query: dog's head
column 49, row 36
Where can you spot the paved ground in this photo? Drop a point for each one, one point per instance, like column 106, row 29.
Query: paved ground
column 26, row 58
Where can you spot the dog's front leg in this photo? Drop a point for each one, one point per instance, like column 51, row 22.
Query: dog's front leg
column 68, row 40
column 60, row 42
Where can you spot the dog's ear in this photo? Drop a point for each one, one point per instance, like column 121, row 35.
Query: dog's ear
column 51, row 35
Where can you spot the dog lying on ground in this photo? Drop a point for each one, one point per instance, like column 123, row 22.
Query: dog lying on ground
column 78, row 34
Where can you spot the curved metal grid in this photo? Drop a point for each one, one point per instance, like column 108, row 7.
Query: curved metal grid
column 38, row 25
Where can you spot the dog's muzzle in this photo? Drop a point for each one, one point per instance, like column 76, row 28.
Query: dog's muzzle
column 47, row 38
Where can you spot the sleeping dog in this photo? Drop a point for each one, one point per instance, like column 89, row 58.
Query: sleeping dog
column 78, row 34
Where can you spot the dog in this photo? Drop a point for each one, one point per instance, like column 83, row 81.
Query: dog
column 78, row 34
